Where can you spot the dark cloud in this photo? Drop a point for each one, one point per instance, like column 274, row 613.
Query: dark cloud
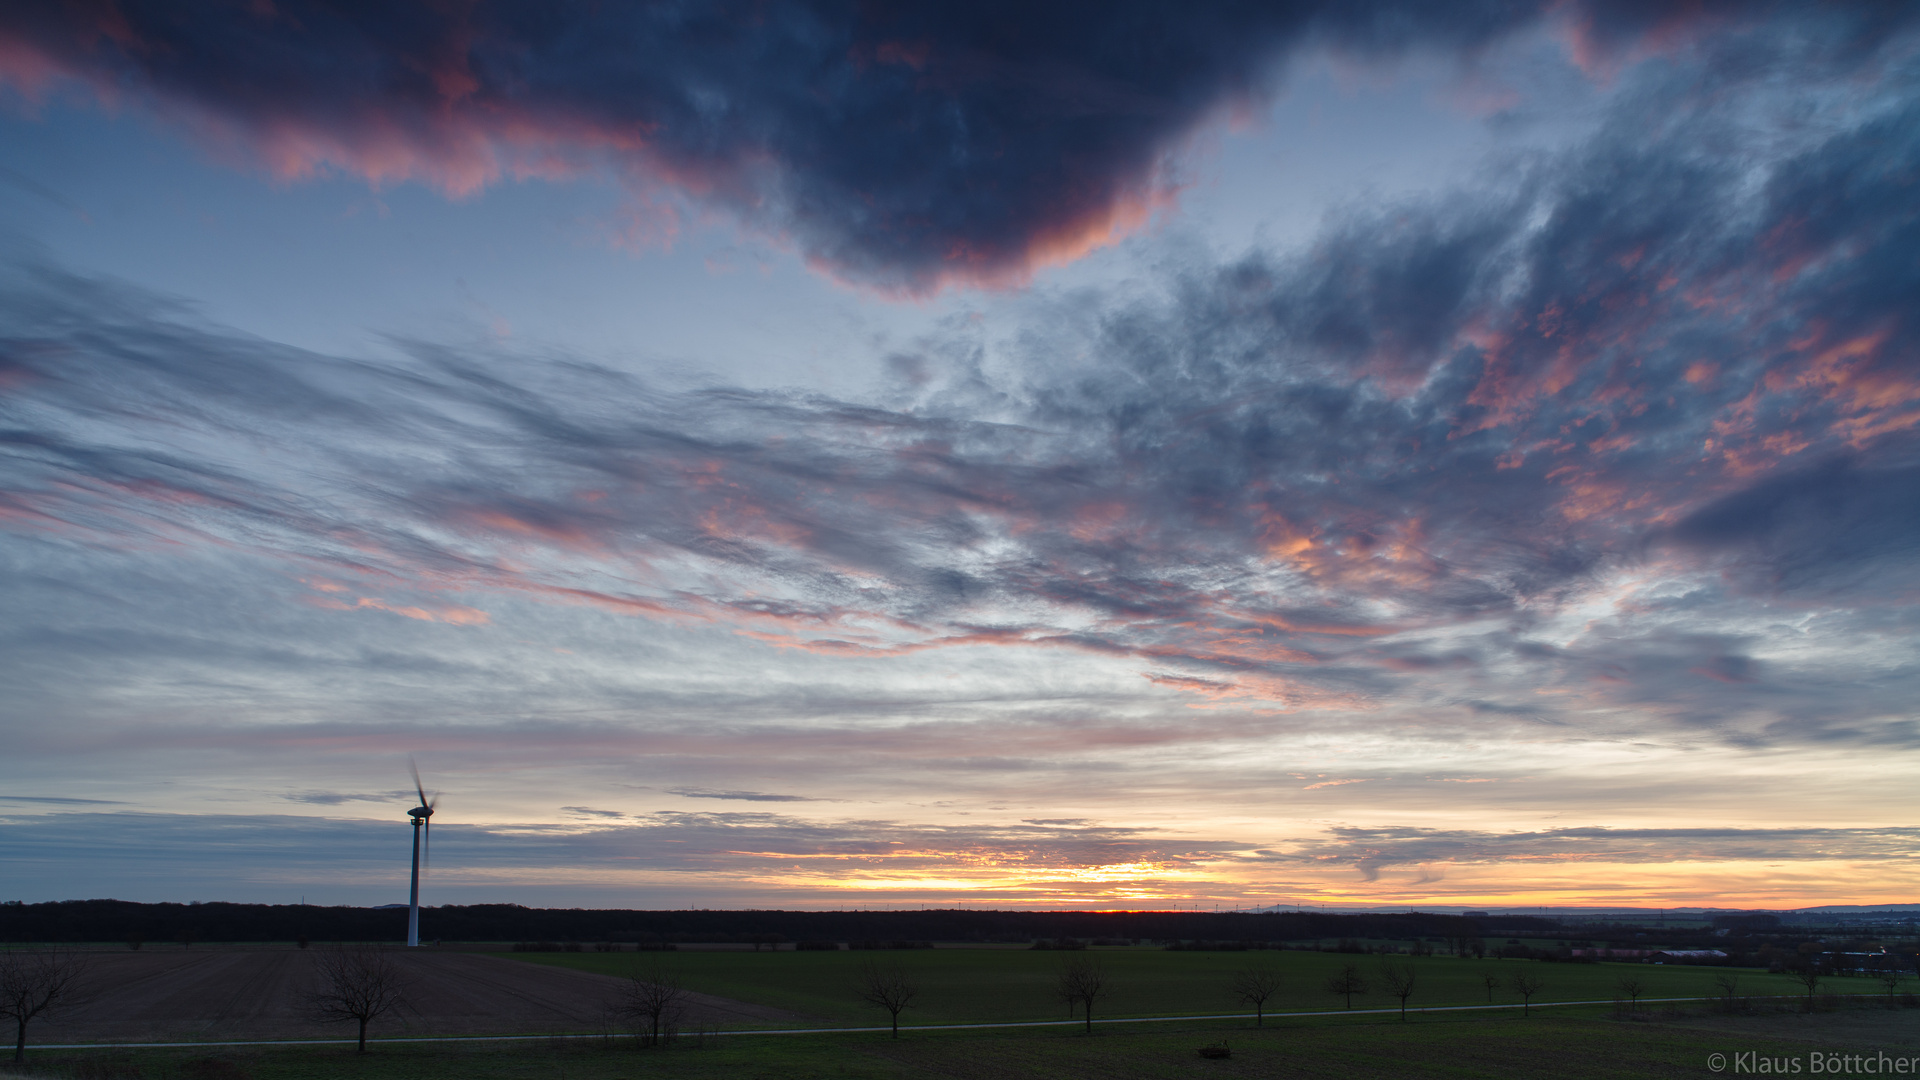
column 900, row 145
column 1839, row 524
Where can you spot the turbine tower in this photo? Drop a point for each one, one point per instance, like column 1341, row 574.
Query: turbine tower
column 422, row 816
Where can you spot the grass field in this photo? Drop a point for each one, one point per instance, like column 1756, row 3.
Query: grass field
column 994, row 985
column 1579, row 1045
column 988, row 986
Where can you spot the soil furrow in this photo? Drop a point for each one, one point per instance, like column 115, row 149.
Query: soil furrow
column 133, row 997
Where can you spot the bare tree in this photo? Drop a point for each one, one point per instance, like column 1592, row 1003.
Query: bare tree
column 1399, row 979
column 1890, row 978
column 1254, row 986
column 1346, row 984
column 1492, row 981
column 1081, row 982
column 34, row 982
column 1729, row 984
column 653, row 1004
column 360, row 985
column 1808, row 972
column 888, row 987
column 1526, row 984
column 1632, row 988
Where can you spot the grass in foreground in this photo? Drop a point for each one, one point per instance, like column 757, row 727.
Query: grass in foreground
column 1455, row 1047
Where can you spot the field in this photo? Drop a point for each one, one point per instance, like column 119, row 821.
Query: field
column 746, row 990
column 994, row 985
column 1578, row 1047
column 208, row 994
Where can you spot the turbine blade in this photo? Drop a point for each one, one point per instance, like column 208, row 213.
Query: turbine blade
column 422, row 792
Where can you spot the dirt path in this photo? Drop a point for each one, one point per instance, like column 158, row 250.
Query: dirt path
column 189, row 996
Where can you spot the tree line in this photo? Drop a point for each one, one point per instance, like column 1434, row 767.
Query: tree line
column 118, row 920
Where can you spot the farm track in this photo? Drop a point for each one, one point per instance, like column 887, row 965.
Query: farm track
column 1100, row 1022
column 239, row 996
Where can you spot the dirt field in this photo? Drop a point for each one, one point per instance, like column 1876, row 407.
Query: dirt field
column 188, row 995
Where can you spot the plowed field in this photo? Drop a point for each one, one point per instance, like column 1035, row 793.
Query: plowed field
column 220, row 995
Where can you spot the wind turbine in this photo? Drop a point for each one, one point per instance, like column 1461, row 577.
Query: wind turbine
column 422, row 816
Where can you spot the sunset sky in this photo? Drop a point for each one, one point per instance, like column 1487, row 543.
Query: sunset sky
column 1068, row 455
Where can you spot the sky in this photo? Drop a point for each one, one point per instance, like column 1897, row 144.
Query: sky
column 825, row 455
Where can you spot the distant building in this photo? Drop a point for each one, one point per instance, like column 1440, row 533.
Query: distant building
column 1656, row 955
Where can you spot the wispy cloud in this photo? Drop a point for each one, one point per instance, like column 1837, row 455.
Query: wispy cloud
column 1372, row 849
column 332, row 798
column 742, row 796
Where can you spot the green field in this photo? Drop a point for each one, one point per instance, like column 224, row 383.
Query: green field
column 998, row 985
column 1577, row 1044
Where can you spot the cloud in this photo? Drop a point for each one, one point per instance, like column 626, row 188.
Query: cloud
column 1575, row 479
column 742, row 796
column 720, row 856
column 905, row 148
column 1374, row 849
column 331, row 798
column 1612, row 452
column 1373, row 474
column 1834, row 526
column 736, row 858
